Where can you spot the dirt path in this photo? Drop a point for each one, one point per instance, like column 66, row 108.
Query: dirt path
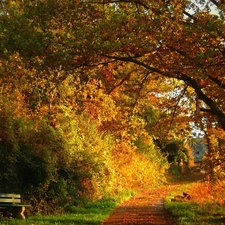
column 145, row 208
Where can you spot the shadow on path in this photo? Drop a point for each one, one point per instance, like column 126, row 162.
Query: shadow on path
column 146, row 207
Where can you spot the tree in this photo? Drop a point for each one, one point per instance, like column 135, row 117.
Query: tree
column 138, row 70
column 153, row 35
column 168, row 45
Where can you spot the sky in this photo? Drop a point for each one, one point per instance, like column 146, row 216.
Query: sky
column 203, row 6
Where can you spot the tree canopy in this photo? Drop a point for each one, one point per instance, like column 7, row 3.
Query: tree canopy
column 96, row 94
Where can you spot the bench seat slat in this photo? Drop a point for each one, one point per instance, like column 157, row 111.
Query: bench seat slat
column 14, row 205
column 4, row 195
column 7, row 200
column 10, row 198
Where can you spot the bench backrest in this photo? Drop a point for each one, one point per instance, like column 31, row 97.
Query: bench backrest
column 10, row 198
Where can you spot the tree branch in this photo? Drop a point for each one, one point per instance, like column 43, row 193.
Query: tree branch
column 137, row 2
column 137, row 62
column 125, row 78
column 184, row 54
column 214, row 2
column 205, row 110
column 208, row 101
column 140, row 88
column 187, row 79
column 189, row 15
column 176, row 105
column 217, row 81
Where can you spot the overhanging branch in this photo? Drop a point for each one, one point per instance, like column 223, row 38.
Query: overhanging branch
column 183, row 77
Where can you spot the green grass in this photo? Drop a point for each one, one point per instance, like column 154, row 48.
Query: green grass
column 190, row 213
column 91, row 214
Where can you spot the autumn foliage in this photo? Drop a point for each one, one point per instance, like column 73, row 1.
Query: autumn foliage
column 209, row 196
column 97, row 96
column 62, row 156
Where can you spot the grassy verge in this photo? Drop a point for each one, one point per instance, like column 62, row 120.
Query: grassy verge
column 191, row 213
column 91, row 214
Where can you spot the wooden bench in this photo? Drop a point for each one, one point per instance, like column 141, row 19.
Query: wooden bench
column 10, row 204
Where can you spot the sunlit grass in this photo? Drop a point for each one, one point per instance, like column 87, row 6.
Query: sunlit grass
column 192, row 212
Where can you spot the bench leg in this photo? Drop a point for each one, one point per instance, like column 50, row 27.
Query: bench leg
column 18, row 213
